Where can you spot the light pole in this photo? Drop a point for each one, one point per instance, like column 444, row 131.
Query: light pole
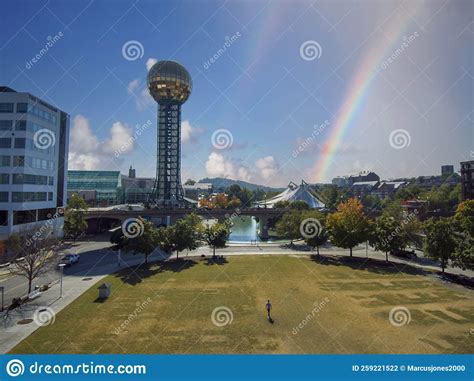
column 61, row 266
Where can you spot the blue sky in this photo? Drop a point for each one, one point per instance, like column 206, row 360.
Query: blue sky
column 278, row 105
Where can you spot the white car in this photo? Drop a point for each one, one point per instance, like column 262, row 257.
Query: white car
column 70, row 259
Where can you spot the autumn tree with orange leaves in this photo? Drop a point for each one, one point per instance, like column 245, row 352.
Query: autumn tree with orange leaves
column 348, row 226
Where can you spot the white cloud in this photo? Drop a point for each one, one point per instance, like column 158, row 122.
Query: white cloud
column 150, row 62
column 88, row 153
column 267, row 166
column 143, row 99
column 121, row 139
column 82, row 139
column 189, row 134
column 133, row 85
column 219, row 166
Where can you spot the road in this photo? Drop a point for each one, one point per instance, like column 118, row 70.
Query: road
column 91, row 253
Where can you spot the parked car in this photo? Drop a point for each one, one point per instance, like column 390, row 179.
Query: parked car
column 69, row 259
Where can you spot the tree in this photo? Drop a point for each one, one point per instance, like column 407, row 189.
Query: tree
column 32, row 255
column 312, row 223
column 464, row 225
column 299, row 205
column 440, row 242
column 409, row 192
column 220, row 201
column 183, row 236
column 146, row 241
column 190, row 182
column 289, row 226
column 388, row 235
column 74, row 216
column 348, row 226
column 234, row 203
column 330, row 195
column 281, row 204
column 195, row 222
column 216, row 236
column 117, row 238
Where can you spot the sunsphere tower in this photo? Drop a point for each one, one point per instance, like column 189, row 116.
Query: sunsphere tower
column 170, row 85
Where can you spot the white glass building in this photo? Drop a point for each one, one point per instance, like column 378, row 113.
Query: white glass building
column 34, row 140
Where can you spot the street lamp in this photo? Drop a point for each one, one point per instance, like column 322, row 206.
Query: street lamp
column 61, row 266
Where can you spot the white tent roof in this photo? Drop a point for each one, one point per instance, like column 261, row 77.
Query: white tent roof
column 295, row 193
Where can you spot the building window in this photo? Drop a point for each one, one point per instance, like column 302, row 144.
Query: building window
column 4, row 178
column 20, row 178
column 28, row 196
column 23, row 216
column 18, row 161
column 6, row 125
column 4, row 161
column 3, row 196
column 22, row 107
column 50, row 196
column 5, row 143
column 20, row 142
column 20, row 125
column 6, row 107
column 4, row 216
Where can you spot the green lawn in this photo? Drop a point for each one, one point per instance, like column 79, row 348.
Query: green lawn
column 177, row 318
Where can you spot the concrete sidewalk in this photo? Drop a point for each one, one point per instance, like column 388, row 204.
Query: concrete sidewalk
column 76, row 284
column 48, row 304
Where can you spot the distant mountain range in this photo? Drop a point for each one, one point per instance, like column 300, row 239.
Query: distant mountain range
column 220, row 183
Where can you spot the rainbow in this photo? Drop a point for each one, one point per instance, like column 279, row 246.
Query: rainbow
column 357, row 94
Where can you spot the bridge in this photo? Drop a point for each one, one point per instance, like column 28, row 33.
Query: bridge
column 103, row 219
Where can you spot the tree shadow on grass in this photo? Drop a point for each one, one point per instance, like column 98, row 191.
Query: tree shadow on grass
column 384, row 267
column 136, row 274
column 369, row 264
column 217, row 260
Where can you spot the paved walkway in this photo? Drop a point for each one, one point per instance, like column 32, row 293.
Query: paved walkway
column 80, row 279
column 74, row 286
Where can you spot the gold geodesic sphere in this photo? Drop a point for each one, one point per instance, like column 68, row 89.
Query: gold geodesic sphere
column 168, row 81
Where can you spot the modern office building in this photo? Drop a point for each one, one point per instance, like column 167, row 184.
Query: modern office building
column 98, row 188
column 447, row 170
column 170, row 85
column 34, row 138
column 135, row 190
column 467, row 180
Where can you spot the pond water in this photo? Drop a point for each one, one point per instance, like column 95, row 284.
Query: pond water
column 245, row 229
